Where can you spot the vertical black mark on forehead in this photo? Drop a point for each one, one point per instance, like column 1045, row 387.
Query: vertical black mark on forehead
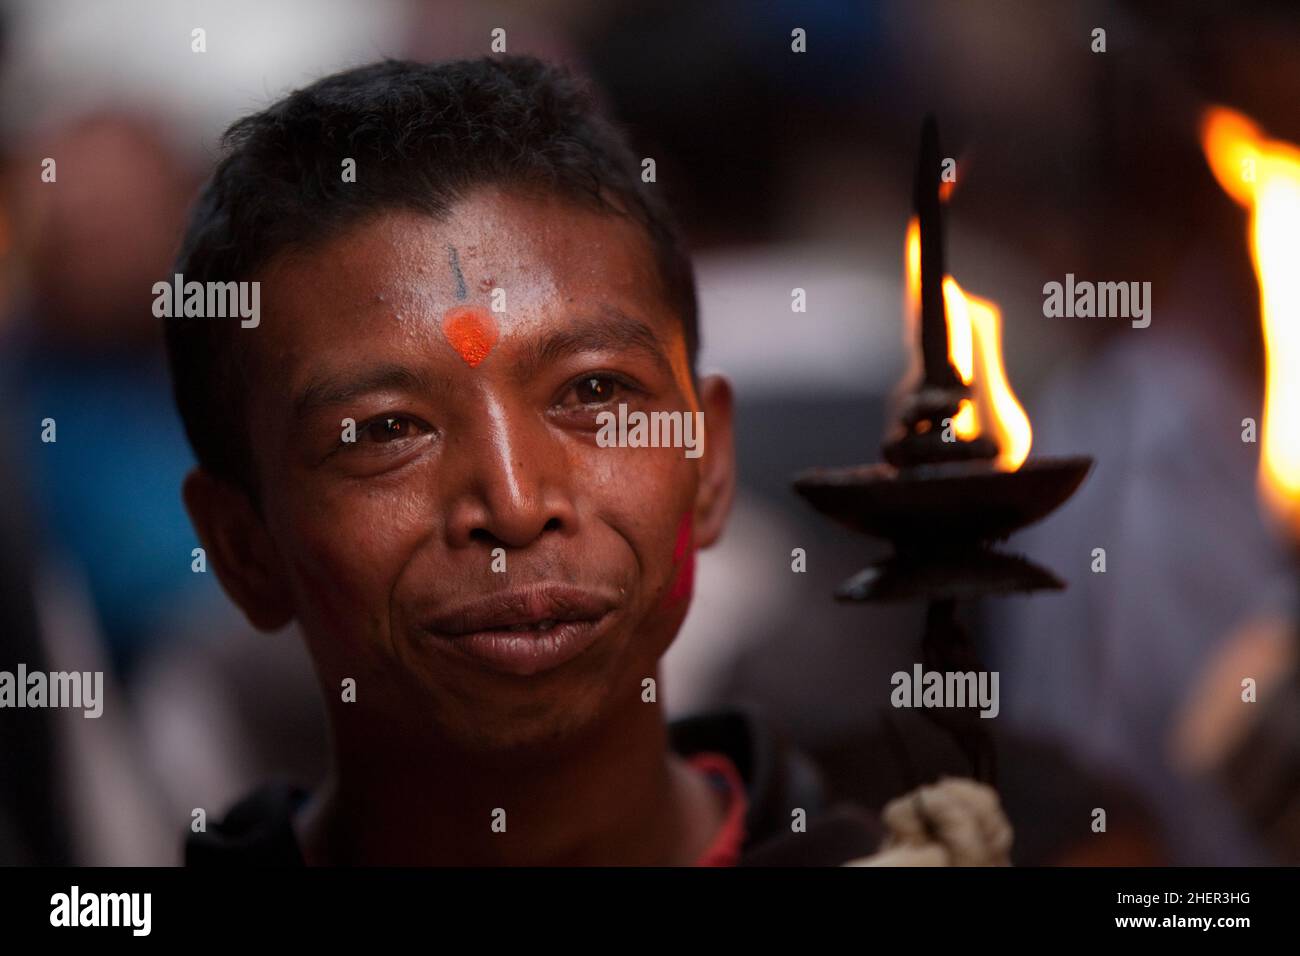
column 454, row 257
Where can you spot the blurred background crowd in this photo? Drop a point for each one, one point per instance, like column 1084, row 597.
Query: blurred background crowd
column 788, row 170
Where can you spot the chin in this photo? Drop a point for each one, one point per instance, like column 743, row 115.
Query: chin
column 534, row 727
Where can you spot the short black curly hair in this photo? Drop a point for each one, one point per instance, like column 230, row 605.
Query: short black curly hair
column 422, row 135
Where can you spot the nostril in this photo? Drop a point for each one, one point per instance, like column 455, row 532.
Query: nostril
column 504, row 537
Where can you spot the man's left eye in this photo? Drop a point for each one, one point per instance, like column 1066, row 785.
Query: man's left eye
column 597, row 389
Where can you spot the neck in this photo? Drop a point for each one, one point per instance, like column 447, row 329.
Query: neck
column 614, row 795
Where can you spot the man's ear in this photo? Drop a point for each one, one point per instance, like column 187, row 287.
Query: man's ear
column 240, row 549
column 717, row 484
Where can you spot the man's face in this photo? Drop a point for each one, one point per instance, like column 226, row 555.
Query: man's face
column 475, row 497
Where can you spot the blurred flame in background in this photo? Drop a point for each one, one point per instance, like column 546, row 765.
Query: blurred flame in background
column 1264, row 176
column 975, row 350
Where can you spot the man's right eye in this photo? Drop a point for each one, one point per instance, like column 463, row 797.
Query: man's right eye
column 386, row 429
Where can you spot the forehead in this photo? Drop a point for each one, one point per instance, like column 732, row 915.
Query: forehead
column 401, row 270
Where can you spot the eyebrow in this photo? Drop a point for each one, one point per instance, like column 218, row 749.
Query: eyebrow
column 329, row 391
column 611, row 330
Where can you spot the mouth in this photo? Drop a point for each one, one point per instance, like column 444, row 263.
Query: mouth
column 525, row 631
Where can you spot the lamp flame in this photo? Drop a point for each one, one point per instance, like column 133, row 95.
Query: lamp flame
column 1263, row 175
column 975, row 351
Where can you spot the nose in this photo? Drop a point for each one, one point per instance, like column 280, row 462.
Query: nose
column 516, row 484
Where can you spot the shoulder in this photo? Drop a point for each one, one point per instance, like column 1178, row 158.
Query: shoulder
column 790, row 819
column 257, row 831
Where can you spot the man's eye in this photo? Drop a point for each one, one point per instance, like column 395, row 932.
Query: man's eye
column 596, row 389
column 388, row 428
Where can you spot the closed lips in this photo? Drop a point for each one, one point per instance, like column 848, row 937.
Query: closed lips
column 536, row 610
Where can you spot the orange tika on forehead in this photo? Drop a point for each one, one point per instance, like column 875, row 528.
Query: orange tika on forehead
column 471, row 332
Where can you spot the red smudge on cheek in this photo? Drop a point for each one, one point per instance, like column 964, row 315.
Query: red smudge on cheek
column 471, row 332
column 683, row 561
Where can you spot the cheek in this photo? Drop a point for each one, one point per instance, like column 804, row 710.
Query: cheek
column 346, row 553
column 654, row 493
column 682, row 583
